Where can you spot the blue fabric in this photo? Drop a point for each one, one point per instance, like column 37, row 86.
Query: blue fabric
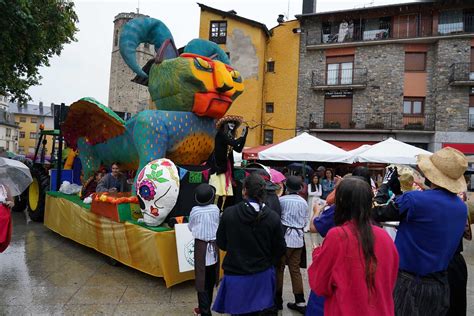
column 328, row 186
column 325, row 221
column 315, row 306
column 432, row 224
column 240, row 294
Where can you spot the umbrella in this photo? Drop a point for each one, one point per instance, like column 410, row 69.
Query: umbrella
column 276, row 176
column 298, row 166
column 14, row 175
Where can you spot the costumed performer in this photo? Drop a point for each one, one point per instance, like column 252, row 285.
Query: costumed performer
column 222, row 159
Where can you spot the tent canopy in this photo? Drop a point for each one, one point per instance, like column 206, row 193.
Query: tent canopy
column 355, row 152
column 391, row 151
column 304, row 147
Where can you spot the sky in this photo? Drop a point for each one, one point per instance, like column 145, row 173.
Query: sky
column 83, row 68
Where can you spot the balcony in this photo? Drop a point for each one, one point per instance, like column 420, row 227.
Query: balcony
column 400, row 28
column 462, row 74
column 373, row 121
column 350, row 78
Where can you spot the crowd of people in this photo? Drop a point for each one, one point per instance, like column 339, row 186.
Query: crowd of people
column 359, row 269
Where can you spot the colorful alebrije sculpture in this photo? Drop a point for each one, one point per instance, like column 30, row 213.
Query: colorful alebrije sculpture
column 189, row 91
column 157, row 190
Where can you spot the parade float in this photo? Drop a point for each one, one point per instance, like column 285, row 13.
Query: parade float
column 168, row 149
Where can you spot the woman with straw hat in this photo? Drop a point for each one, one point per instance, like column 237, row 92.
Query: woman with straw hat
column 431, row 226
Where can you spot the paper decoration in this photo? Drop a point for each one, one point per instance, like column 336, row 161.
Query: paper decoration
column 205, row 174
column 182, row 173
column 195, row 177
column 184, row 247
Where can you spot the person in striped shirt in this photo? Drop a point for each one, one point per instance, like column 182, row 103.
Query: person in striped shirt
column 294, row 215
column 203, row 223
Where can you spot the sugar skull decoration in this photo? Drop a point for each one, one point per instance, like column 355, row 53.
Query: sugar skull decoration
column 157, row 190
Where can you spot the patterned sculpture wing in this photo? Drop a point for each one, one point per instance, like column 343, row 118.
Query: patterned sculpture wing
column 92, row 120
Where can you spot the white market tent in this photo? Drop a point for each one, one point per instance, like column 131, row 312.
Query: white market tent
column 355, row 152
column 391, row 151
column 304, row 147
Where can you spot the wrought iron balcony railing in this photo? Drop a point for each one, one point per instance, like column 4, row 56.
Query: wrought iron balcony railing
column 335, row 78
column 373, row 121
column 471, row 121
column 462, row 74
column 409, row 26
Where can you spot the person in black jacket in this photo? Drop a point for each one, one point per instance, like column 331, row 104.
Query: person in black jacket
column 251, row 234
column 222, row 159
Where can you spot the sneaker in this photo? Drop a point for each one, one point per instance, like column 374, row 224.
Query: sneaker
column 299, row 307
column 197, row 312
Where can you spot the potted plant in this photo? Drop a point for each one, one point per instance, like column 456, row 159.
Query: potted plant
column 352, row 124
column 374, row 125
column 332, row 124
column 415, row 126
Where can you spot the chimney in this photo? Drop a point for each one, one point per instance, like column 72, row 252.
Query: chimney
column 309, row 6
column 281, row 18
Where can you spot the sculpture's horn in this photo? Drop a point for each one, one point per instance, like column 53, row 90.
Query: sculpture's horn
column 141, row 30
column 208, row 49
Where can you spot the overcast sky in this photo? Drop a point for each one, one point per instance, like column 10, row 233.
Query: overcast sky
column 84, row 66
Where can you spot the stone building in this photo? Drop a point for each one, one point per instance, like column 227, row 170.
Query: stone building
column 404, row 71
column 125, row 95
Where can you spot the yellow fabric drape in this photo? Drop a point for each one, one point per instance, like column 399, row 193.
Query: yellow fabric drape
column 151, row 252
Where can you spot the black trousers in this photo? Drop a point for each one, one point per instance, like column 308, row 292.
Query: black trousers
column 457, row 276
column 205, row 298
column 418, row 296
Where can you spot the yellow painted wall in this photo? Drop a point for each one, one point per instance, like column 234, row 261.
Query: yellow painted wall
column 249, row 104
column 281, row 86
column 29, row 127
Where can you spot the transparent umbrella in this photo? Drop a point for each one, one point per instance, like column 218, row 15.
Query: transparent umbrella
column 14, row 175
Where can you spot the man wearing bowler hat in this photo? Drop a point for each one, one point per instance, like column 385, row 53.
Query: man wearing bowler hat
column 203, row 223
column 294, row 215
column 431, row 226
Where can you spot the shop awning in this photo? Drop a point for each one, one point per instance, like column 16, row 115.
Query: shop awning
column 467, row 149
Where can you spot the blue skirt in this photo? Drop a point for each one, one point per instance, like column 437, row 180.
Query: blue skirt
column 240, row 294
column 315, row 305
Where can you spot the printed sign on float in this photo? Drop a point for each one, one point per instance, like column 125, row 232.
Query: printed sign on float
column 184, row 247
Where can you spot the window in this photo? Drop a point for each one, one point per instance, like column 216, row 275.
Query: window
column 34, row 120
column 22, row 119
column 32, row 135
column 339, row 70
column 8, row 132
column 116, row 37
column 415, row 61
column 218, row 32
column 269, row 107
column 471, row 111
column 413, row 106
column 450, row 21
column 22, row 134
column 270, row 66
column 268, row 136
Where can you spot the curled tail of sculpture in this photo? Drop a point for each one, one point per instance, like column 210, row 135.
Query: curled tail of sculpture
column 143, row 30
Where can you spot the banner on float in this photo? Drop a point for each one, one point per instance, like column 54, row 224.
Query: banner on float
column 184, row 247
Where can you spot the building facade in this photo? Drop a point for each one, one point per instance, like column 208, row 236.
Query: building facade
column 268, row 62
column 8, row 128
column 125, row 95
column 404, row 71
column 29, row 117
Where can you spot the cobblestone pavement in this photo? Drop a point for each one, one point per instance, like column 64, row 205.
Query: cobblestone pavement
column 44, row 273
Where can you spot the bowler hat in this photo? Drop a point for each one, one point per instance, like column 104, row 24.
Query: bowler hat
column 204, row 194
column 294, row 184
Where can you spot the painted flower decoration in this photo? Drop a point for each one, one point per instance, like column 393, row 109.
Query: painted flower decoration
column 147, row 190
column 166, row 163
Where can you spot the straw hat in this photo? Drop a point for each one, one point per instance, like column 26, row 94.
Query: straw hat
column 406, row 181
column 445, row 168
column 230, row 118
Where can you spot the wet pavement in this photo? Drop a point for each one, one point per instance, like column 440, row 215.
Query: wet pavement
column 42, row 273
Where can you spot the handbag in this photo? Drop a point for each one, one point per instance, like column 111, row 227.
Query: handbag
column 5, row 227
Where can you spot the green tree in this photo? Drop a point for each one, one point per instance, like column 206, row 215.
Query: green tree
column 31, row 32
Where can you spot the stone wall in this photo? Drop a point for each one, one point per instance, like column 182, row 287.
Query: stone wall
column 451, row 102
column 124, row 95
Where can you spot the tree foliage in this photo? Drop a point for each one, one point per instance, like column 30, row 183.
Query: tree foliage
column 31, row 32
